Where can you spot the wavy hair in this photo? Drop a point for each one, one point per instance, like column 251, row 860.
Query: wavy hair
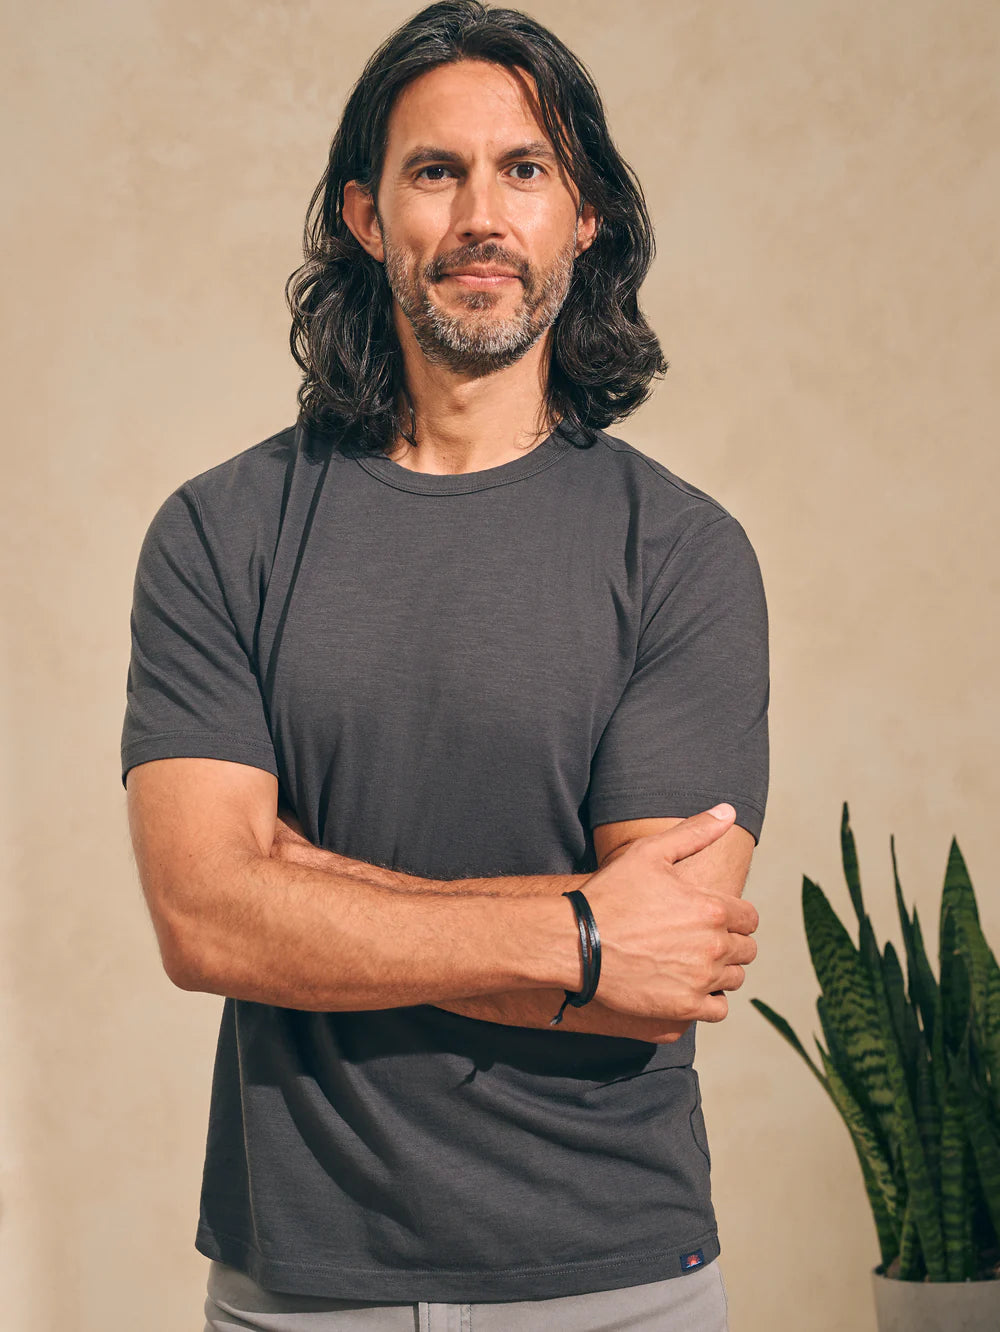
column 604, row 354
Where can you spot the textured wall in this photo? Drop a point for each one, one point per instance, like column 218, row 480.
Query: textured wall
column 824, row 180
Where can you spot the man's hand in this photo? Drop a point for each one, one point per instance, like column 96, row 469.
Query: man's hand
column 670, row 948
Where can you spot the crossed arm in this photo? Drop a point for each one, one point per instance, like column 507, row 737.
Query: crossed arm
column 721, row 867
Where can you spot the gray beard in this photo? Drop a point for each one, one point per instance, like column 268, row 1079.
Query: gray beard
column 479, row 346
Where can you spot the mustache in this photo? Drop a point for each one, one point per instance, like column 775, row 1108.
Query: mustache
column 483, row 254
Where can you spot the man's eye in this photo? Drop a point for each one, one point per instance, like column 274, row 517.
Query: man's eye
column 432, row 168
column 531, row 166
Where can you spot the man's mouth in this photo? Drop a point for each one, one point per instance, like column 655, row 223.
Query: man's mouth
column 483, row 276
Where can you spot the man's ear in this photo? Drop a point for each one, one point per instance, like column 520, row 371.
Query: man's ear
column 358, row 212
column 587, row 226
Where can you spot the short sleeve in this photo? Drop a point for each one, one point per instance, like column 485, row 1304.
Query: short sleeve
column 690, row 729
column 191, row 691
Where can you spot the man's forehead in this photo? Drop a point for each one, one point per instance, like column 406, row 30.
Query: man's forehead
column 465, row 102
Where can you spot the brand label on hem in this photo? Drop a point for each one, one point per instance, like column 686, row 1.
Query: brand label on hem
column 689, row 1261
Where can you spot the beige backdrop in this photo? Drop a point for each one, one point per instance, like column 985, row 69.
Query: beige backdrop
column 825, row 184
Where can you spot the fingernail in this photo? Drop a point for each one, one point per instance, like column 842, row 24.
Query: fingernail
column 722, row 811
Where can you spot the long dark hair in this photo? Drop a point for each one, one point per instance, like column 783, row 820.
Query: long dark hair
column 604, row 354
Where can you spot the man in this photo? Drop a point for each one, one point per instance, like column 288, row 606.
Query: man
column 404, row 675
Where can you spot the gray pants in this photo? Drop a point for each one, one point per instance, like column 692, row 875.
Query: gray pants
column 692, row 1302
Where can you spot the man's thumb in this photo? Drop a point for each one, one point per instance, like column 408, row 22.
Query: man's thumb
column 684, row 839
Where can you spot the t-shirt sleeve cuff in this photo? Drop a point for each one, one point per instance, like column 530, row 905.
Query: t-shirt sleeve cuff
column 198, row 744
column 616, row 806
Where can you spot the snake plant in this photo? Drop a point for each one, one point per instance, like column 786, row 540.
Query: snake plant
column 914, row 1071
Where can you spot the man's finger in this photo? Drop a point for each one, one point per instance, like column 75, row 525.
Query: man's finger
column 684, row 839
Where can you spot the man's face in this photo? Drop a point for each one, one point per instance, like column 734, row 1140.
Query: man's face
column 478, row 221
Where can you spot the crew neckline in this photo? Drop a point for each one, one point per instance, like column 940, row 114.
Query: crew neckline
column 543, row 455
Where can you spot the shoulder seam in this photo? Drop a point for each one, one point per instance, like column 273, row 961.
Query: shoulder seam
column 696, row 536
column 625, row 447
column 190, row 490
column 676, row 550
column 242, row 453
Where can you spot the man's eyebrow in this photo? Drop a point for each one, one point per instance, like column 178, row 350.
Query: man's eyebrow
column 424, row 153
column 537, row 148
column 427, row 153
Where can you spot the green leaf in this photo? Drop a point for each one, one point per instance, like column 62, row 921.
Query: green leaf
column 841, row 1062
column 982, row 1133
column 924, row 985
column 928, row 1113
column 957, row 884
column 883, row 1194
column 904, row 1022
column 954, row 1204
column 849, row 856
column 911, row 1265
column 966, row 937
column 904, row 919
column 921, row 984
column 847, row 991
column 956, row 993
column 920, row 1186
column 782, row 1026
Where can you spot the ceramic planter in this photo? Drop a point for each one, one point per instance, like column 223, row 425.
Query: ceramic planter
column 936, row 1306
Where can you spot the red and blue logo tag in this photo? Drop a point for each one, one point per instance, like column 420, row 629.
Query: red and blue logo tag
column 689, row 1261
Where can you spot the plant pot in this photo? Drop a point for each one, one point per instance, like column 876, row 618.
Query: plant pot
column 936, row 1306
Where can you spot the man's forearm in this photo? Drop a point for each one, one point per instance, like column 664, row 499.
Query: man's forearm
column 301, row 852
column 516, row 1008
column 251, row 926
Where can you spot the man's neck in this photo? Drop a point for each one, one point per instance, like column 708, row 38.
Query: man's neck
column 466, row 424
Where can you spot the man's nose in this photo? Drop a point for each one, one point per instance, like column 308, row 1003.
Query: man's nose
column 479, row 211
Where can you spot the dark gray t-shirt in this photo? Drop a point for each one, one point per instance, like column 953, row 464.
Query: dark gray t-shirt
column 454, row 676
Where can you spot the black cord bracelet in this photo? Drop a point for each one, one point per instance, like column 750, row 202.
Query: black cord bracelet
column 590, row 946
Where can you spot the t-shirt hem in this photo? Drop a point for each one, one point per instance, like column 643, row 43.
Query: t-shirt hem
column 634, row 803
column 388, row 1285
column 197, row 744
